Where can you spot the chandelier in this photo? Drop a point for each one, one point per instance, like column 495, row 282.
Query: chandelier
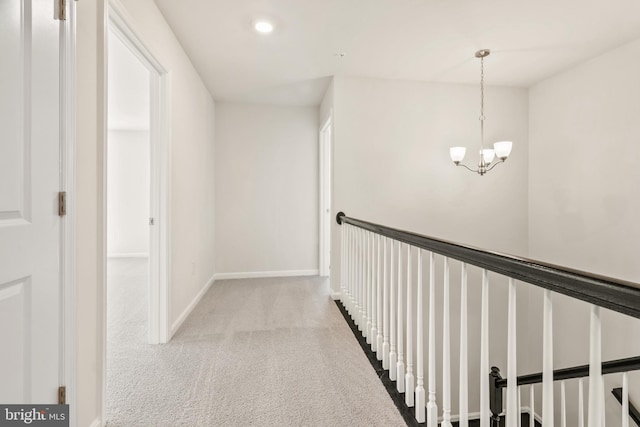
column 501, row 149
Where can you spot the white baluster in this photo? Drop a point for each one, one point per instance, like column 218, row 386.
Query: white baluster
column 408, row 378
column 363, row 282
column 513, row 412
column 349, row 270
column 446, row 347
column 379, row 301
column 519, row 406
column 625, row 400
column 393, row 359
column 342, row 263
column 358, row 312
column 464, row 367
column 547, row 361
column 596, row 412
column 563, row 405
column 385, row 310
column 532, row 407
column 485, row 412
column 580, row 403
column 420, row 395
column 374, row 294
column 400, row 364
column 369, row 285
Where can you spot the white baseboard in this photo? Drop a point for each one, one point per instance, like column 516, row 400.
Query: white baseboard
column 96, row 423
column 334, row 295
column 187, row 311
column 260, row 274
column 128, row 255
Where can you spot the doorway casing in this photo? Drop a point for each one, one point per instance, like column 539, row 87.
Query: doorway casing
column 325, row 150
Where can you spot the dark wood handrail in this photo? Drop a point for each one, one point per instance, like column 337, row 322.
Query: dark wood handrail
column 611, row 367
column 613, row 294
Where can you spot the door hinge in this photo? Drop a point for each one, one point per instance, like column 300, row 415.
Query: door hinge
column 62, row 203
column 62, row 395
column 60, row 9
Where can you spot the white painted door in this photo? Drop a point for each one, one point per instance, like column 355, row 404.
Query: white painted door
column 30, row 284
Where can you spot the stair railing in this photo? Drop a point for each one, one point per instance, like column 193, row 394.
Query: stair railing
column 380, row 302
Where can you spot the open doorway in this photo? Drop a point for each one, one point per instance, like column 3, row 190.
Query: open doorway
column 325, row 139
column 136, row 210
column 128, row 215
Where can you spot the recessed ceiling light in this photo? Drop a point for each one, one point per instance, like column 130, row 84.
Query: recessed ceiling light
column 264, row 27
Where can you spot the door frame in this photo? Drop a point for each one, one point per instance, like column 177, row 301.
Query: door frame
column 159, row 257
column 325, row 153
column 68, row 362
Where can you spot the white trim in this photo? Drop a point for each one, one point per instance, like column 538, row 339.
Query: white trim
column 68, row 224
column 120, row 23
column 335, row 295
column 261, row 274
column 187, row 311
column 128, row 255
column 323, row 262
column 96, row 423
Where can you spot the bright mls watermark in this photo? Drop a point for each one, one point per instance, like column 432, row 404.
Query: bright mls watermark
column 34, row 415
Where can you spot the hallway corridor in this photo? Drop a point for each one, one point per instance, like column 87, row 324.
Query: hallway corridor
column 261, row 352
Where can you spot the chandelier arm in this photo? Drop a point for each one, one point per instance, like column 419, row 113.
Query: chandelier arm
column 495, row 164
column 467, row 167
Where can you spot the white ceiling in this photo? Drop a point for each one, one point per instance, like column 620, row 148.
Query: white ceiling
column 425, row 40
column 129, row 86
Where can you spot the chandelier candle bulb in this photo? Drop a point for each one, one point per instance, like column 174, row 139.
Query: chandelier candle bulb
column 500, row 149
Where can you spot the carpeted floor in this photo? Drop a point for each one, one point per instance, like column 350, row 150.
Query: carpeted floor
column 259, row 352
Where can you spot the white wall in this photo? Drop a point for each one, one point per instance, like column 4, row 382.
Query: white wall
column 192, row 115
column 583, row 204
column 128, row 193
column 392, row 166
column 266, row 177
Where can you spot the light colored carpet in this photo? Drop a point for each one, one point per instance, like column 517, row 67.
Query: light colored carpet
column 259, row 352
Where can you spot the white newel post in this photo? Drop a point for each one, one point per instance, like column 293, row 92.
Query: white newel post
column 392, row 317
column 379, row 300
column 464, row 368
column 596, row 411
column 385, row 310
column 547, row 361
column 485, row 411
column 513, row 411
column 446, row 349
column 409, row 385
column 519, row 406
column 349, row 270
column 420, row 394
column 400, row 364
